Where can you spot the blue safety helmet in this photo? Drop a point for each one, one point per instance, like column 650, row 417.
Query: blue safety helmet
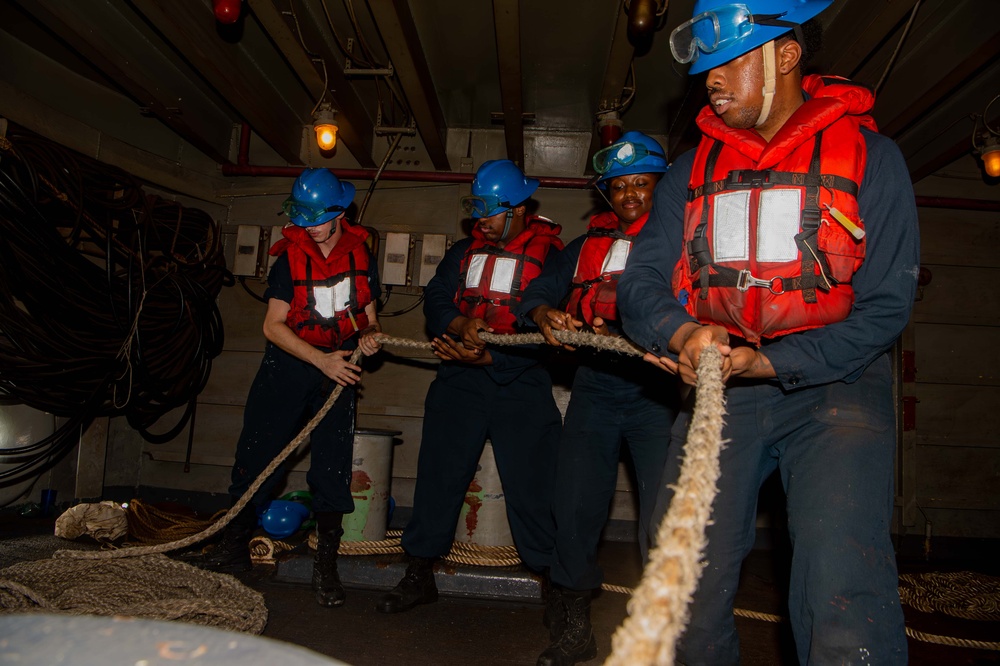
column 720, row 31
column 499, row 185
column 283, row 518
column 317, row 197
column 634, row 152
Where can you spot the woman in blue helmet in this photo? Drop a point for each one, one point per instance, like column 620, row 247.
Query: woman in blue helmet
column 499, row 393
column 321, row 297
column 614, row 400
column 787, row 239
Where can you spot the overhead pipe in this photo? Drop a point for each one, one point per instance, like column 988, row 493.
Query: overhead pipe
column 244, row 168
column 369, row 174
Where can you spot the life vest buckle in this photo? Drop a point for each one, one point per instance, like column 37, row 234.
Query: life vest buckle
column 745, row 280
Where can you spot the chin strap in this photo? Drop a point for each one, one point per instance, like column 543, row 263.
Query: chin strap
column 506, row 224
column 770, row 80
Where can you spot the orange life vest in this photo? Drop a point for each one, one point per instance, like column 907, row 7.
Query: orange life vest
column 593, row 292
column 492, row 279
column 771, row 230
column 329, row 293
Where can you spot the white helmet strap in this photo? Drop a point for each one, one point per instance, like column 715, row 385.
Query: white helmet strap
column 770, row 81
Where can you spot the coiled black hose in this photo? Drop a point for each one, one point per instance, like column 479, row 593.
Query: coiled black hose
column 107, row 297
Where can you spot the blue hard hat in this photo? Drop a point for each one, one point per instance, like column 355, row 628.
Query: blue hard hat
column 282, row 518
column 634, row 152
column 720, row 31
column 499, row 185
column 317, row 197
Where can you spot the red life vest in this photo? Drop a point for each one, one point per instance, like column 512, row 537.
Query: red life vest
column 327, row 291
column 593, row 292
column 492, row 279
column 771, row 230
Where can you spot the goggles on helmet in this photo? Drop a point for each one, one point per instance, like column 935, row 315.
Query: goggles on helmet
column 310, row 213
column 623, row 153
column 715, row 30
column 484, row 205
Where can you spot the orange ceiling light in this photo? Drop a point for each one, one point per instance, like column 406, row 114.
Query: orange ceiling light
column 325, row 126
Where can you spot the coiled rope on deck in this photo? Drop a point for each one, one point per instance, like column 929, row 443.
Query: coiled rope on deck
column 181, row 592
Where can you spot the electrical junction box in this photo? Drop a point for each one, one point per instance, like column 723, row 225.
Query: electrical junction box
column 431, row 253
column 252, row 243
column 397, row 257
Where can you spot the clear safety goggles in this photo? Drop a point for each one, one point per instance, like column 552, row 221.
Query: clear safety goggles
column 309, row 213
column 483, row 205
column 712, row 31
column 622, row 153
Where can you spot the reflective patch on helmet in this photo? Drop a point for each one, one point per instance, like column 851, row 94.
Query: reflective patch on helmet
column 778, row 218
column 731, row 226
column 615, row 260
column 475, row 272
column 503, row 275
column 331, row 300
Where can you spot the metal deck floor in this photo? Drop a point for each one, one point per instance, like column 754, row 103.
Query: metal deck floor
column 463, row 630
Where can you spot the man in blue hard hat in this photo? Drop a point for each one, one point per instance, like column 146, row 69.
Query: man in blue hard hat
column 321, row 298
column 499, row 393
column 788, row 239
column 615, row 399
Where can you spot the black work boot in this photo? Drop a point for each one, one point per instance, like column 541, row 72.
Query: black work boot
column 577, row 642
column 554, row 618
column 417, row 587
column 232, row 554
column 325, row 581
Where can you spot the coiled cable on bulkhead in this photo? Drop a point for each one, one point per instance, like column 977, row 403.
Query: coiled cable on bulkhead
column 107, row 296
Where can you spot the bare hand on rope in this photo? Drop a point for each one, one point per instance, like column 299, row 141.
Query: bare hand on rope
column 550, row 319
column 450, row 350
column 466, row 330
column 368, row 341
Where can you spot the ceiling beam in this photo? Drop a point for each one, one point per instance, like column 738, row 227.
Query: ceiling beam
column 947, row 86
column 399, row 35
column 857, row 31
column 107, row 39
column 945, row 157
column 275, row 112
column 507, row 20
column 355, row 128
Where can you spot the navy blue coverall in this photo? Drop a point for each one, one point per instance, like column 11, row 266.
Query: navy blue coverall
column 510, row 403
column 614, row 399
column 284, row 396
column 826, row 423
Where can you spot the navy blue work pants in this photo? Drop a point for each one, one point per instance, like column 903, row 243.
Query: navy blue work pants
column 634, row 405
column 284, row 396
column 464, row 407
column 833, row 448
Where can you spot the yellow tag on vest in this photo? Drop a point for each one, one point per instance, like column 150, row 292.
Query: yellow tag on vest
column 846, row 222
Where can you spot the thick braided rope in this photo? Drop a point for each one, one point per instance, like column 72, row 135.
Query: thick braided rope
column 658, row 611
column 576, row 339
column 236, row 508
column 461, row 552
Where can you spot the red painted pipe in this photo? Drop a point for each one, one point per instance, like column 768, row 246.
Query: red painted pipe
column 545, row 181
column 368, row 174
column 959, row 204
